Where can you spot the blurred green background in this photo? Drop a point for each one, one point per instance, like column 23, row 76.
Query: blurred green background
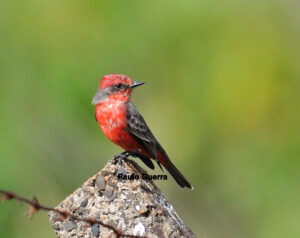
column 221, row 95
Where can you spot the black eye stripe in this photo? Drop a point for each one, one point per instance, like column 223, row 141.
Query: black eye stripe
column 119, row 85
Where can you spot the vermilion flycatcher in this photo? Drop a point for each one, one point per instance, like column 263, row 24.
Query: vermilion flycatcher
column 123, row 124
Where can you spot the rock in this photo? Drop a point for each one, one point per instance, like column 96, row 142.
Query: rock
column 112, row 185
column 112, row 197
column 69, row 226
column 95, row 230
column 108, row 192
column 84, row 202
column 100, row 183
column 131, row 206
column 121, row 171
column 139, row 229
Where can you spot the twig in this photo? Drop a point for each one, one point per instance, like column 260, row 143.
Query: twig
column 35, row 206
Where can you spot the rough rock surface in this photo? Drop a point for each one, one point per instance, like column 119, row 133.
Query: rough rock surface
column 135, row 207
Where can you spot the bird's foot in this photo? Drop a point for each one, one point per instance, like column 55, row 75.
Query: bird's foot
column 123, row 156
column 118, row 159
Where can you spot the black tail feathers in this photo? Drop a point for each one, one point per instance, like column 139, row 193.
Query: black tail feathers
column 179, row 178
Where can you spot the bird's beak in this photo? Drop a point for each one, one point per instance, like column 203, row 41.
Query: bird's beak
column 135, row 84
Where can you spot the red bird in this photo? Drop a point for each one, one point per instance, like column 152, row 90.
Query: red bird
column 123, row 124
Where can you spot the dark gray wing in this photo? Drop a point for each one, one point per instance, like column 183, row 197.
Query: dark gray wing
column 143, row 158
column 138, row 128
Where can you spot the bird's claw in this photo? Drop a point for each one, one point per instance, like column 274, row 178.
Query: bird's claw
column 123, row 156
column 120, row 157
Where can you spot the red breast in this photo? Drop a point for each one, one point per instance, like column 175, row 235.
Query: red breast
column 111, row 115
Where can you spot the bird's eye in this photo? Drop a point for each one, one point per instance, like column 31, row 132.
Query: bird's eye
column 119, row 85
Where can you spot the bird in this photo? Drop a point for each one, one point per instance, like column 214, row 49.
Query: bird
column 122, row 124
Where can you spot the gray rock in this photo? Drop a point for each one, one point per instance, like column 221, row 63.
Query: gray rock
column 69, row 226
column 112, row 197
column 121, row 171
column 130, row 196
column 108, row 192
column 112, row 185
column 100, row 183
column 56, row 227
column 84, row 202
column 95, row 230
column 131, row 206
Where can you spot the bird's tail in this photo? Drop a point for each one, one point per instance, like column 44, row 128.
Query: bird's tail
column 178, row 177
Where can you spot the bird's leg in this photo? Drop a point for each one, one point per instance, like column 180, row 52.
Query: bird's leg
column 132, row 153
column 120, row 157
column 123, row 156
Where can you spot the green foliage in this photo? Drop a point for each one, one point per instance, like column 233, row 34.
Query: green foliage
column 221, row 95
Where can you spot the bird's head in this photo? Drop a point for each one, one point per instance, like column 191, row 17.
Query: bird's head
column 115, row 85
